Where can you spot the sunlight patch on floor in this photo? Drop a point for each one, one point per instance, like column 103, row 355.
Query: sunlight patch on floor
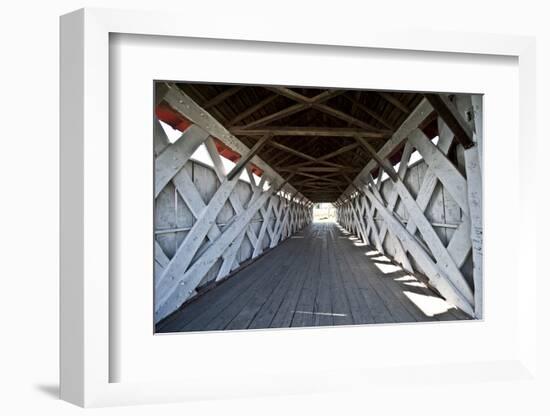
column 416, row 284
column 384, row 264
column 387, row 268
column 429, row 305
column 406, row 278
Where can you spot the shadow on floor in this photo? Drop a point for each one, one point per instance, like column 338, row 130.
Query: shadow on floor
column 51, row 390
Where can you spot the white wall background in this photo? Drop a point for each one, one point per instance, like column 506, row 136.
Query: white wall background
column 29, row 207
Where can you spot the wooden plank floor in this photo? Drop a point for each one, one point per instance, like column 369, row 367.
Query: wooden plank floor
column 320, row 276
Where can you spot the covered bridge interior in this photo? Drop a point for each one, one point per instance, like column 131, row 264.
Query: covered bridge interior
column 237, row 244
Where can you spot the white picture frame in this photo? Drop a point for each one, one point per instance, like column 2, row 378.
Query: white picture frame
column 87, row 354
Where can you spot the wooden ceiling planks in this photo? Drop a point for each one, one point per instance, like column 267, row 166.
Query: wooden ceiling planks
column 313, row 130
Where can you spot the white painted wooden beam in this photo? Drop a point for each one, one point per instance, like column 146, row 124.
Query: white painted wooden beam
column 185, row 284
column 172, row 159
column 160, row 140
column 422, row 110
column 436, row 276
column 430, row 180
column 188, row 248
column 183, row 104
column 442, row 167
column 472, row 159
column 245, row 158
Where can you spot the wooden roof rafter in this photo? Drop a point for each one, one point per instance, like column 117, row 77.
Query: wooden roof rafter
column 395, row 102
column 317, row 103
column 253, row 109
column 312, row 130
column 218, row 99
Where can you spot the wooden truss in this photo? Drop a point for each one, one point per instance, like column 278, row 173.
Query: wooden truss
column 312, row 130
column 263, row 213
column 391, row 214
column 328, row 145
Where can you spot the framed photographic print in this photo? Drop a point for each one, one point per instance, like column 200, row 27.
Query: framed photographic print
column 339, row 211
column 289, row 213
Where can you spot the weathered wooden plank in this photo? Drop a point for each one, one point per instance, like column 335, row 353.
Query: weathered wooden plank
column 172, row 298
column 304, row 131
column 182, row 259
column 341, row 310
column 435, row 212
column 359, row 224
column 402, row 171
column 429, row 180
column 395, row 102
column 234, row 200
column 461, row 243
column 398, row 248
column 198, row 314
column 451, row 213
column 383, row 163
column 280, row 224
column 161, row 260
column 399, row 252
column 370, row 112
column 251, row 110
column 267, row 293
column 247, row 157
column 160, row 140
column 442, row 167
column 303, row 314
column 285, row 112
column 236, row 245
column 473, row 172
column 421, row 111
column 349, row 119
column 285, row 314
column 186, row 188
column 218, row 99
column 165, row 218
column 248, row 305
column 448, row 112
column 438, row 277
column 433, row 241
column 317, row 99
column 269, row 217
column 378, row 308
column 232, row 258
column 283, row 292
column 375, row 233
column 160, row 91
column 374, row 280
column 322, row 309
column 250, row 300
column 172, row 159
column 477, row 105
column 181, row 102
column 318, row 169
column 473, row 162
column 360, row 310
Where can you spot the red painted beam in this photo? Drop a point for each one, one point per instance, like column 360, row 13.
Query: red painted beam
column 171, row 117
